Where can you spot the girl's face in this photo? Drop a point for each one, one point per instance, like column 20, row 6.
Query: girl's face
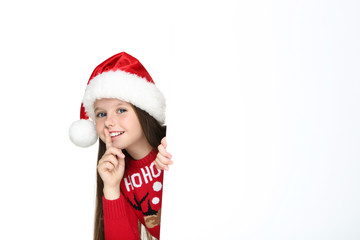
column 119, row 117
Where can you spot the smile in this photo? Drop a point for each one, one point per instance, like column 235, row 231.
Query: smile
column 114, row 134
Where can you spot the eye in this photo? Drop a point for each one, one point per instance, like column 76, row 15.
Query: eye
column 121, row 110
column 100, row 115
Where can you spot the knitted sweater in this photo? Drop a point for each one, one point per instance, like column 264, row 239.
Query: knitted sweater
column 140, row 199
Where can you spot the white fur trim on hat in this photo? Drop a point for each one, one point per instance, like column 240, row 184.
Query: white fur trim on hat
column 83, row 133
column 126, row 87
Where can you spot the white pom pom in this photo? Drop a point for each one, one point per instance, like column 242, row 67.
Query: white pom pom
column 157, row 186
column 83, row 133
column 155, row 200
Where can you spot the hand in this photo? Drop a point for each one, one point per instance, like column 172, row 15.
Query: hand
column 111, row 166
column 163, row 158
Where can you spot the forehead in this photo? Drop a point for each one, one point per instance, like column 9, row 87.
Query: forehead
column 109, row 102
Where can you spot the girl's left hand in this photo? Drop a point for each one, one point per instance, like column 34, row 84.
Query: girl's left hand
column 163, row 158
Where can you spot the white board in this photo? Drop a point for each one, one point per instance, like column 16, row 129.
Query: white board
column 263, row 114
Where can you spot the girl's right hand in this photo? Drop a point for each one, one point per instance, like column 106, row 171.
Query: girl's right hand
column 111, row 166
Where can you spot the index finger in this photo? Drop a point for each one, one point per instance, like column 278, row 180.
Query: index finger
column 108, row 141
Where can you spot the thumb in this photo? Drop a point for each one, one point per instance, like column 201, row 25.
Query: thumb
column 121, row 162
column 163, row 142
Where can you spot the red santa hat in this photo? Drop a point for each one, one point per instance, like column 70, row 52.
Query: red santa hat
column 123, row 77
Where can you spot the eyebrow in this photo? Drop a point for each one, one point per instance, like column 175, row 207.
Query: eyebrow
column 97, row 108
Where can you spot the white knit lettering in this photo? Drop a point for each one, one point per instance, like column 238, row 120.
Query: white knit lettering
column 147, row 174
column 152, row 167
column 128, row 183
column 133, row 180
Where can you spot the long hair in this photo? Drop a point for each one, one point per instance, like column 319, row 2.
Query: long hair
column 153, row 132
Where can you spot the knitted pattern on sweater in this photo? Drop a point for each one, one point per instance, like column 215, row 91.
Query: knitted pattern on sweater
column 140, row 199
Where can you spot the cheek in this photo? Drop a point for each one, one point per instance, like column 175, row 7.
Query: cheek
column 135, row 125
column 126, row 123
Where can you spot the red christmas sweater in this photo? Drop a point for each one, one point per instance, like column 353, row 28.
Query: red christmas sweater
column 140, row 199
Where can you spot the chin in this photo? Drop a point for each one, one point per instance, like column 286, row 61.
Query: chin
column 118, row 145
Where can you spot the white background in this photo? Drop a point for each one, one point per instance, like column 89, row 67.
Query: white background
column 263, row 114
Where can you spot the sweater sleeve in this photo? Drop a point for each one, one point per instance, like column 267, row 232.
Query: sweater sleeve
column 120, row 221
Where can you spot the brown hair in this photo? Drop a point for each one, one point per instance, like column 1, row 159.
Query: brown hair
column 153, row 132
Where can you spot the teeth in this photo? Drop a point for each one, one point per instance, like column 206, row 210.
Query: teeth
column 115, row 134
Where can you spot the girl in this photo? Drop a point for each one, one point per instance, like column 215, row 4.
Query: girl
column 129, row 114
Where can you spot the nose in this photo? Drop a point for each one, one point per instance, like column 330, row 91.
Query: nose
column 110, row 121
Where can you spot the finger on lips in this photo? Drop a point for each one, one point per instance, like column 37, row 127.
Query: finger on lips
column 108, row 141
column 109, row 147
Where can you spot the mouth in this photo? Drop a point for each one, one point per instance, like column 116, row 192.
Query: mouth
column 115, row 134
